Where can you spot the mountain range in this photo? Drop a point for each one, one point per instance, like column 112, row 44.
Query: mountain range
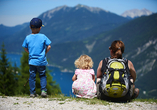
column 87, row 30
column 65, row 24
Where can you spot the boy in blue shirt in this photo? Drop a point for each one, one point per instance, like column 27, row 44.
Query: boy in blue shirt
column 37, row 45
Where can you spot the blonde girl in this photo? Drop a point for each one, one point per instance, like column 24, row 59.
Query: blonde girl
column 84, row 78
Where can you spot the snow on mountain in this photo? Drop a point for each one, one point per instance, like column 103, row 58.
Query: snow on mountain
column 134, row 13
column 91, row 9
column 49, row 14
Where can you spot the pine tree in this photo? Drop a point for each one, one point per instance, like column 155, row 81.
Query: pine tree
column 52, row 88
column 23, row 75
column 7, row 77
column 15, row 71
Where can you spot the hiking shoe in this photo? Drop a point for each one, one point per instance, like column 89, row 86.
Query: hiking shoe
column 44, row 94
column 34, row 95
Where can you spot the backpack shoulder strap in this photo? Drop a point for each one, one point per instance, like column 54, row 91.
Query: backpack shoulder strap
column 126, row 66
column 104, row 65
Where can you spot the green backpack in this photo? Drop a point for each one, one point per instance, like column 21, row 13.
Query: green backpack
column 115, row 81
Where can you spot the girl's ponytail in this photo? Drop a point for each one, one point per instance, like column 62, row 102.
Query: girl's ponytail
column 117, row 49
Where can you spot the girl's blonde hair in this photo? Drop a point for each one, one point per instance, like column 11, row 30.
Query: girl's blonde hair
column 84, row 62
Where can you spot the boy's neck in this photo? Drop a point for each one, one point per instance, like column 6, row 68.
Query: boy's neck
column 35, row 33
column 35, row 30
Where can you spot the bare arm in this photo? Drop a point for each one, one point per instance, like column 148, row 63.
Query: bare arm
column 93, row 77
column 74, row 77
column 26, row 49
column 48, row 48
column 99, row 73
column 132, row 70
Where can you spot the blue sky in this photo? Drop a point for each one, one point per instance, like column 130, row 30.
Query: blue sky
column 15, row 12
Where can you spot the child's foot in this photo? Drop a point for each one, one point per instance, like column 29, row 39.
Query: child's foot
column 44, row 94
column 34, row 95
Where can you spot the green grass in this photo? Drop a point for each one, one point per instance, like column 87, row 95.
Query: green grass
column 61, row 97
column 64, row 99
column 146, row 100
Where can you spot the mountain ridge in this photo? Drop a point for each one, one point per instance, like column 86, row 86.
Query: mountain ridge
column 66, row 8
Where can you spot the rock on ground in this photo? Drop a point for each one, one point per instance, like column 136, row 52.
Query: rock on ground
column 19, row 103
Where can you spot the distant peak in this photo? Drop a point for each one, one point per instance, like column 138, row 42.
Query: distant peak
column 60, row 7
column 137, row 13
column 50, row 13
column 79, row 5
column 92, row 9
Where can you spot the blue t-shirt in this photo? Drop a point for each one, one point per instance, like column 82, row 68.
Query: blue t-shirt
column 36, row 44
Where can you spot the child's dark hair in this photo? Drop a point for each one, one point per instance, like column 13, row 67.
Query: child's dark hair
column 32, row 26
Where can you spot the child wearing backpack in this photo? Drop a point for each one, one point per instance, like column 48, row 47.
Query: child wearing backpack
column 116, row 76
column 84, row 78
